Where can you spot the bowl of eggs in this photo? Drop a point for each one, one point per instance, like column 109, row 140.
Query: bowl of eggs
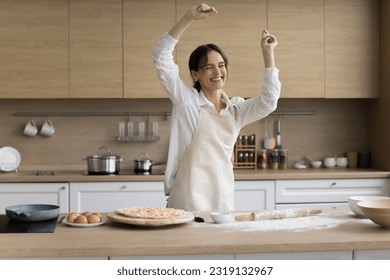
column 85, row 219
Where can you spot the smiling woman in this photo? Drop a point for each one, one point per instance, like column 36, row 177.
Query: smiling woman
column 205, row 121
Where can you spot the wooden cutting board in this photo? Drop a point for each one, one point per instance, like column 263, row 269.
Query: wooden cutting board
column 113, row 216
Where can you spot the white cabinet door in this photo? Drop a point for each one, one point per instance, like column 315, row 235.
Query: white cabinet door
column 254, row 195
column 327, row 191
column 109, row 196
column 331, row 255
column 34, row 193
column 372, row 255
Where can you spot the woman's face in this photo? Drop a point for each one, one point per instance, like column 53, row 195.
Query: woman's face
column 213, row 74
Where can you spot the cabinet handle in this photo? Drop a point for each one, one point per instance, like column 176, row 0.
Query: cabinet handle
column 63, row 188
column 123, row 187
column 333, row 184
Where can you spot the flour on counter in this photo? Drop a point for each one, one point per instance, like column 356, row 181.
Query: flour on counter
column 316, row 222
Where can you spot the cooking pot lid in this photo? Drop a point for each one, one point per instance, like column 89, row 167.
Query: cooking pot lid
column 106, row 155
column 143, row 157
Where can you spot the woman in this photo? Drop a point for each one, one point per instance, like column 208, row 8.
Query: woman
column 205, row 123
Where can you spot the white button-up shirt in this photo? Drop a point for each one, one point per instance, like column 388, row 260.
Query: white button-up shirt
column 187, row 102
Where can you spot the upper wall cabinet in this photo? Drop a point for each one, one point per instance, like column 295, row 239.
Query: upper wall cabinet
column 236, row 29
column 34, row 49
column 144, row 24
column 299, row 28
column 95, row 49
column 352, row 48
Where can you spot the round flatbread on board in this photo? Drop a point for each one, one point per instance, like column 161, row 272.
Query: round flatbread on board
column 151, row 213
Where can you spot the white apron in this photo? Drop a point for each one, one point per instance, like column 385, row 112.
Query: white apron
column 205, row 181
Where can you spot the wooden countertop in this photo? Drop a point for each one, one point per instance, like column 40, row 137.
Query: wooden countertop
column 333, row 230
column 240, row 175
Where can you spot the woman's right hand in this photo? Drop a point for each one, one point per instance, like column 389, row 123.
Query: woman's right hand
column 202, row 11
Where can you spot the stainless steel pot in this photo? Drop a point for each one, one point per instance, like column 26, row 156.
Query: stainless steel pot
column 143, row 163
column 32, row 212
column 103, row 163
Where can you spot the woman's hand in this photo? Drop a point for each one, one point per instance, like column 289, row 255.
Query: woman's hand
column 268, row 43
column 202, row 11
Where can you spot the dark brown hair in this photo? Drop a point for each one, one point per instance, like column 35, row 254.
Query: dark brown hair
column 198, row 58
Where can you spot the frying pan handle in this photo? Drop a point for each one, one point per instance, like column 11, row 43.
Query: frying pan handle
column 18, row 213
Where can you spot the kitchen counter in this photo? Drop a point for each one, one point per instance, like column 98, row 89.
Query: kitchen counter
column 240, row 175
column 333, row 230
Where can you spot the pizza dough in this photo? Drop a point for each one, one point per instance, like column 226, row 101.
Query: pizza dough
column 151, row 213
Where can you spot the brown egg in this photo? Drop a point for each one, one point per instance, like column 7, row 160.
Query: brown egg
column 87, row 213
column 97, row 214
column 71, row 217
column 93, row 219
column 81, row 220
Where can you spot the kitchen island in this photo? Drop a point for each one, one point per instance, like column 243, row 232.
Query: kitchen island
column 331, row 232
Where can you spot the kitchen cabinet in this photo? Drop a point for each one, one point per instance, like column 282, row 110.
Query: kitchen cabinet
column 95, row 49
column 299, row 28
column 324, row 255
column 372, row 255
column 254, row 195
column 351, row 48
column 144, row 22
column 109, row 196
column 236, row 29
column 34, row 193
column 325, row 193
column 34, row 49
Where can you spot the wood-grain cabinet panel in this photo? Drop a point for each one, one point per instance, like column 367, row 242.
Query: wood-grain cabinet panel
column 144, row 22
column 299, row 27
column 352, row 49
column 95, row 48
column 34, row 49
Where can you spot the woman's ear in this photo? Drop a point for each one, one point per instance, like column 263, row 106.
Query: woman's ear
column 194, row 75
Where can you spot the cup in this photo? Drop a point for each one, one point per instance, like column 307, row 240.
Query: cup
column 130, row 128
column 122, row 129
column 141, row 130
column 329, row 162
column 341, row 162
column 30, row 129
column 352, row 159
column 364, row 159
column 47, row 128
column 155, row 129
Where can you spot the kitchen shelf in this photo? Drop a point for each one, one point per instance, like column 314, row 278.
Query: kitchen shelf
column 245, row 152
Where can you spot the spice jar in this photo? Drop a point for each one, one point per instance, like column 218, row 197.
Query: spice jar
column 283, row 159
column 262, row 159
column 274, row 159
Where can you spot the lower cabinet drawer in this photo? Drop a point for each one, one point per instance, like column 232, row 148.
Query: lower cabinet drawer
column 327, row 191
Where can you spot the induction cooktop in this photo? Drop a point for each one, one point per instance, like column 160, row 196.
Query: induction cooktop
column 11, row 226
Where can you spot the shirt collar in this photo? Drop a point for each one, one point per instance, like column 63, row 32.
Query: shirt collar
column 203, row 101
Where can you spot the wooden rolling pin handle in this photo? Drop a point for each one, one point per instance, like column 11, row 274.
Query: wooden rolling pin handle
column 245, row 217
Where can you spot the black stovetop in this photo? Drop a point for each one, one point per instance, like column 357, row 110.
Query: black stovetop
column 11, row 226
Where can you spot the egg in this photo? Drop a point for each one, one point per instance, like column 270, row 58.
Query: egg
column 93, row 219
column 81, row 220
column 71, row 217
column 97, row 214
column 87, row 213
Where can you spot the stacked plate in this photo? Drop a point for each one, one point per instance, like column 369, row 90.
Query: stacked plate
column 9, row 159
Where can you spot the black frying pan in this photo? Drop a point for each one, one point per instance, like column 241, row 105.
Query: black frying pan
column 32, row 212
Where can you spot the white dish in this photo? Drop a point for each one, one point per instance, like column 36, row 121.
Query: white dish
column 9, row 159
column 221, row 217
column 83, row 225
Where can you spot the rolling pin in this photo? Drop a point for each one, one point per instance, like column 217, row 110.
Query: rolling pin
column 277, row 214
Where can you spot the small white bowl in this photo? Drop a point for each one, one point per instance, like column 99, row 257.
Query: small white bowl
column 316, row 164
column 221, row 217
column 353, row 201
column 329, row 162
column 341, row 162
